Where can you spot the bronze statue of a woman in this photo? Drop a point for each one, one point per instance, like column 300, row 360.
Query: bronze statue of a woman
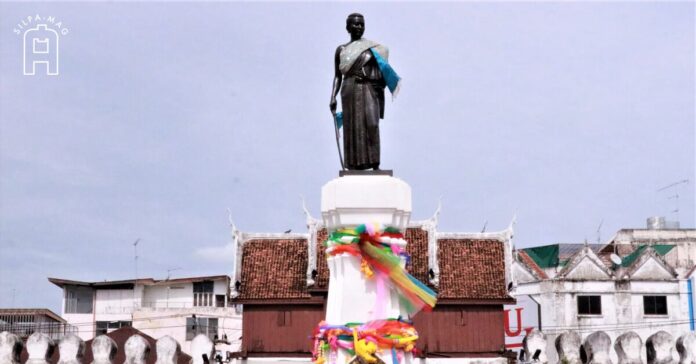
column 361, row 76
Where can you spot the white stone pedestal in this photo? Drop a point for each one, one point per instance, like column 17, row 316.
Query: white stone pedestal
column 348, row 202
column 355, row 200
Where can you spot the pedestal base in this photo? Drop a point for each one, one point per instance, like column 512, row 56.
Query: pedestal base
column 379, row 172
column 353, row 298
column 359, row 199
column 363, row 197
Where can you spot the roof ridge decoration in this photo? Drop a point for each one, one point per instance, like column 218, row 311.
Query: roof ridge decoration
column 648, row 253
column 430, row 226
column 312, row 227
column 238, row 245
column 308, row 216
column 509, row 244
column 578, row 257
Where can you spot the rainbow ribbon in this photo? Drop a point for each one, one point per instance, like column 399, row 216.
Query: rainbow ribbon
column 382, row 251
column 364, row 339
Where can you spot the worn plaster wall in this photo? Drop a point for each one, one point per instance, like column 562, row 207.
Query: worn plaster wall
column 84, row 323
column 622, row 308
column 158, row 322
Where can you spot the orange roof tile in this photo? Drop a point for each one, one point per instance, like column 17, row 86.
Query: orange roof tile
column 275, row 269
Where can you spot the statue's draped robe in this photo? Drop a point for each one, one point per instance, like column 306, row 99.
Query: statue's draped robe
column 362, row 101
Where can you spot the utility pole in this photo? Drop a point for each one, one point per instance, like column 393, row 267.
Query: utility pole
column 135, row 281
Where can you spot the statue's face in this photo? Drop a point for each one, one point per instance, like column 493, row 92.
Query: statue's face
column 356, row 26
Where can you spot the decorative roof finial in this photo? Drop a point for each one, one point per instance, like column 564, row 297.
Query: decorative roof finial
column 229, row 218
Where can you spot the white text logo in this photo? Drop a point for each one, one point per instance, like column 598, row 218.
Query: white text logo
column 40, row 43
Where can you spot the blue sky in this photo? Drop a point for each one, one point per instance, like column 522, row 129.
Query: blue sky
column 166, row 114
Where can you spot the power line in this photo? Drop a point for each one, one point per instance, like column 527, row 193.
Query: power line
column 88, row 323
column 618, row 327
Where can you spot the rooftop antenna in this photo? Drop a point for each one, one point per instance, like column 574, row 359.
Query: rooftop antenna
column 485, row 224
column 675, row 196
column 599, row 232
column 135, row 261
column 135, row 256
column 170, row 270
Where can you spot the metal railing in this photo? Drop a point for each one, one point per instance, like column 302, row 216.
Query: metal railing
column 54, row 330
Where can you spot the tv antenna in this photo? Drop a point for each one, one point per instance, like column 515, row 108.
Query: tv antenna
column 599, row 232
column 135, row 261
column 675, row 196
column 170, row 270
column 135, row 256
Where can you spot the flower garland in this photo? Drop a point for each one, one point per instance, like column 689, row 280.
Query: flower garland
column 364, row 340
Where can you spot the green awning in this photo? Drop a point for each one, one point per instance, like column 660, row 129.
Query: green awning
column 660, row 249
column 544, row 256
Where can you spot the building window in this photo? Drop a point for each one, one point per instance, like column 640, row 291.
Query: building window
column 201, row 325
column 284, row 318
column 78, row 299
column 219, row 300
column 115, row 325
column 203, row 294
column 102, row 328
column 589, row 305
column 105, row 327
column 655, row 305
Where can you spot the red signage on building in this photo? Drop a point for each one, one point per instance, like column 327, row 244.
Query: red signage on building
column 520, row 319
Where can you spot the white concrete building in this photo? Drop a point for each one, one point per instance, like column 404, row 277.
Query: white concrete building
column 180, row 308
column 645, row 287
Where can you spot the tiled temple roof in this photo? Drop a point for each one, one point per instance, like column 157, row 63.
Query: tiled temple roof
column 275, row 268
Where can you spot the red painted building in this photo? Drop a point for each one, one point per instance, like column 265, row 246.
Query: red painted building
column 282, row 281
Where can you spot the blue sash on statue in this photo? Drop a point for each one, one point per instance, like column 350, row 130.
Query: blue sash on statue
column 351, row 52
column 390, row 76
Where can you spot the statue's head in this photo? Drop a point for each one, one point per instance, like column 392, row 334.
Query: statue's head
column 355, row 25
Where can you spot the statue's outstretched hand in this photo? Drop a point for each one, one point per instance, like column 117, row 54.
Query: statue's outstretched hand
column 332, row 106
